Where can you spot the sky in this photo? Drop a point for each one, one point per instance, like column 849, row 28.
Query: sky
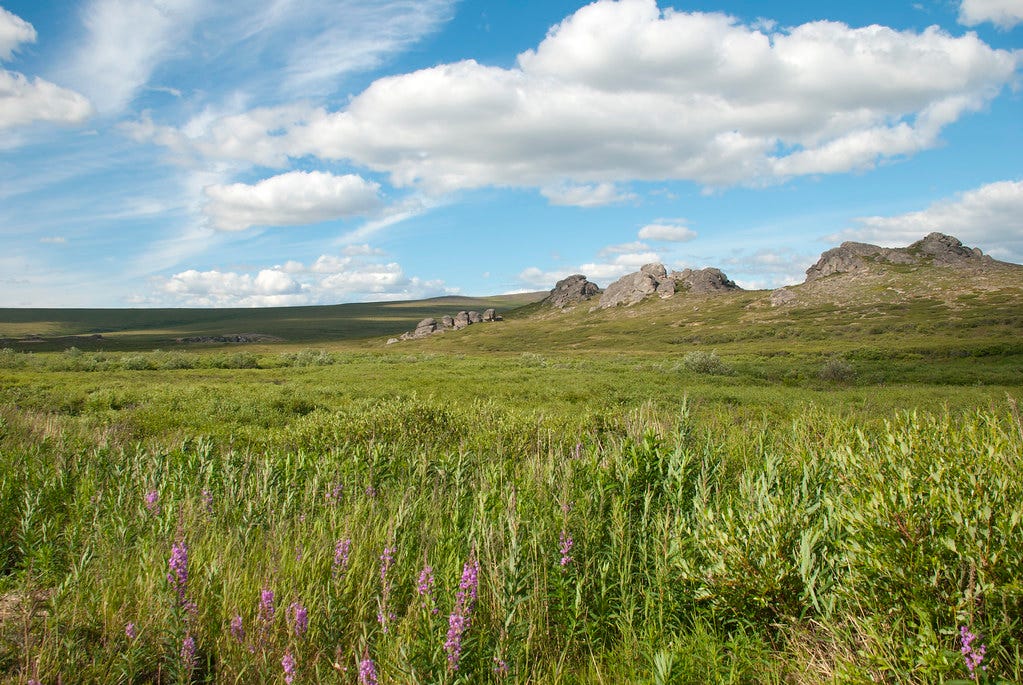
column 245, row 153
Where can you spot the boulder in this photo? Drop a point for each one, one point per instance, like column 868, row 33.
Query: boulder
column 447, row 321
column 475, row 317
column 570, row 291
column 424, row 328
column 490, row 315
column 461, row 320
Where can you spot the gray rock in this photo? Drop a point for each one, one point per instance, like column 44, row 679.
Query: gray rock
column 490, row 314
column 936, row 248
column 782, row 297
column 475, row 317
column 425, row 328
column 632, row 288
column 702, row 281
column 570, row 291
column 653, row 278
column 391, row 341
column 461, row 320
column 447, row 321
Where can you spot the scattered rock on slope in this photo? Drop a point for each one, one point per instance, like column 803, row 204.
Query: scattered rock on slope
column 430, row 326
column 570, row 291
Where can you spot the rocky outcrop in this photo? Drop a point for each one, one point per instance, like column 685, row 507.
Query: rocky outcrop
column 570, row 291
column 935, row 249
column 654, row 279
column 702, row 281
column 462, row 319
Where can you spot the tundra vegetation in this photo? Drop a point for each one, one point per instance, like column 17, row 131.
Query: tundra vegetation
column 622, row 496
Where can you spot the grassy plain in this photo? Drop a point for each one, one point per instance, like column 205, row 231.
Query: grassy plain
column 687, row 491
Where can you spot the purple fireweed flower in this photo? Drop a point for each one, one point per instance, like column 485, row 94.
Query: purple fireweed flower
column 299, row 618
column 566, row 547
column 424, row 588
column 237, row 628
column 334, row 496
column 129, row 630
column 461, row 614
column 341, row 550
column 973, row 656
column 178, row 575
column 188, row 652
column 500, row 667
column 153, row 502
column 265, row 612
column 288, row 664
column 367, row 670
column 371, row 491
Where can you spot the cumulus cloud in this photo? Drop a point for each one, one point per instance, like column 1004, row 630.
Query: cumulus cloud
column 290, row 199
column 988, row 217
column 587, row 195
column 25, row 100
column 329, row 279
column 623, row 91
column 1002, row 13
column 670, row 231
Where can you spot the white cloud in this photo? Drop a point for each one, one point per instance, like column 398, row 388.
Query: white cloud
column 539, row 279
column 329, row 279
column 1002, row 13
column 670, row 231
column 767, row 268
column 623, row 248
column 588, row 195
column 24, row 100
column 303, row 49
column 290, row 199
column 13, row 32
column 53, row 240
column 623, row 91
column 990, row 217
column 125, row 41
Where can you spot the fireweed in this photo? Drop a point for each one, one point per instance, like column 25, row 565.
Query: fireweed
column 153, row 502
column 566, row 546
column 425, row 589
column 367, row 670
column 288, row 664
column 188, row 658
column 238, row 628
column 299, row 618
column 341, row 551
column 461, row 615
column 177, row 576
column 972, row 655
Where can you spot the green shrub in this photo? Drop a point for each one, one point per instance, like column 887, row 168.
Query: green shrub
column 705, row 362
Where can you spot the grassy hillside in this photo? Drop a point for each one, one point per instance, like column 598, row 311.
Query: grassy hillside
column 58, row 329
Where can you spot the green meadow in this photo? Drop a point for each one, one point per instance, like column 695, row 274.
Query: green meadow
column 686, row 491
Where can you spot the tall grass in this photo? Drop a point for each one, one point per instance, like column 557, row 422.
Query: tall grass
column 657, row 548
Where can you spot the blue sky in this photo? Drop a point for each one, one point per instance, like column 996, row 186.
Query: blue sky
column 288, row 152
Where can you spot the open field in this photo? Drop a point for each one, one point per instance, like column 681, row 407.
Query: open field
column 701, row 490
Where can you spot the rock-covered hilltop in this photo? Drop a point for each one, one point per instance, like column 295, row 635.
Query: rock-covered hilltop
column 936, row 249
column 431, row 326
column 655, row 279
column 570, row 291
